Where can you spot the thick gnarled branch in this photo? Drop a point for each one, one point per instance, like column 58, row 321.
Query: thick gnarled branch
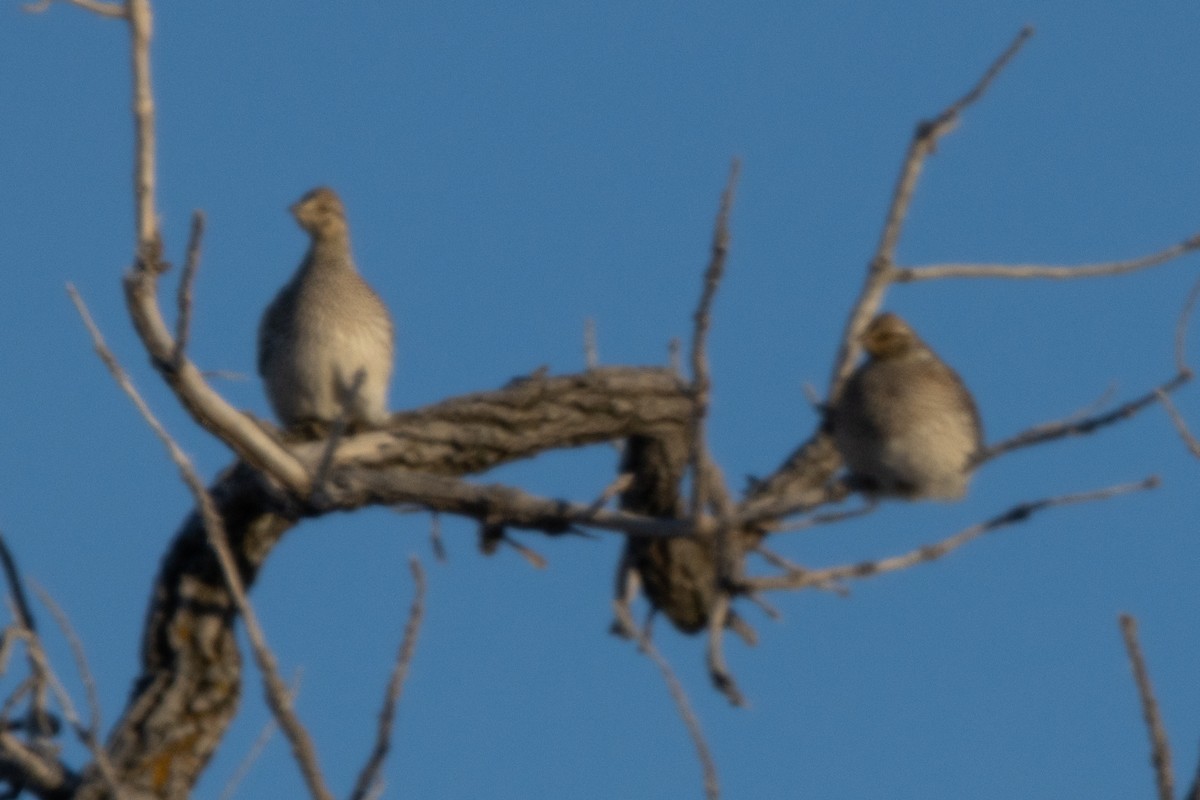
column 434, row 444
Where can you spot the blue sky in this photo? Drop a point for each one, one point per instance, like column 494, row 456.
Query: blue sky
column 512, row 171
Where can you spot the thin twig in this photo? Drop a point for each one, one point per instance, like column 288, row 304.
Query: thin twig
column 718, row 671
column 145, row 171
column 707, row 764
column 872, row 505
column 1181, row 329
column 992, row 73
column 1027, row 271
column 15, row 586
column 627, row 585
column 760, row 510
column 792, row 568
column 591, row 351
column 369, row 776
column 619, row 484
column 925, row 142
column 211, row 411
column 1194, row 792
column 708, row 485
column 1160, row 748
column 109, row 10
column 191, row 263
column 1093, row 407
column 7, row 642
column 80, row 656
column 777, row 560
column 702, row 318
column 40, row 721
column 49, row 775
column 435, row 537
column 496, row 504
column 1181, row 425
column 533, row 557
column 256, row 750
column 882, row 271
column 765, row 606
column 1061, row 430
column 87, row 736
column 805, row 579
column 275, row 689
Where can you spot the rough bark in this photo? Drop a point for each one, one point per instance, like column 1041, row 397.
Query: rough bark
column 189, row 685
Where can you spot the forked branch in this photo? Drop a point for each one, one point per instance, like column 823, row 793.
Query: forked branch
column 882, row 270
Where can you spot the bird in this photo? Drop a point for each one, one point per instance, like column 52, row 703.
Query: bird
column 326, row 342
column 905, row 424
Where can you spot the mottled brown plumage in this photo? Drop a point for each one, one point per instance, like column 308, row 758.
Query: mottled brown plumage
column 905, row 423
column 325, row 343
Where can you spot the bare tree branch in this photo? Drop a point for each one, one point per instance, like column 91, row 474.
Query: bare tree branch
column 703, row 477
column 191, row 263
column 276, row 691
column 15, row 586
column 81, row 662
column 869, row 507
column 622, row 482
column 1160, row 749
column 708, row 765
column 792, row 568
column 369, row 776
column 718, row 671
column 1027, row 271
column 32, row 767
column 435, row 537
column 505, row 506
column 867, row 569
column 1181, row 329
column 145, row 172
column 1194, row 792
column 1180, row 424
column 88, row 737
column 419, row 455
column 110, row 10
column 1078, row 427
column 805, row 482
column 242, row 434
column 39, row 721
column 882, row 270
column 256, row 749
column 24, row 766
column 207, row 407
